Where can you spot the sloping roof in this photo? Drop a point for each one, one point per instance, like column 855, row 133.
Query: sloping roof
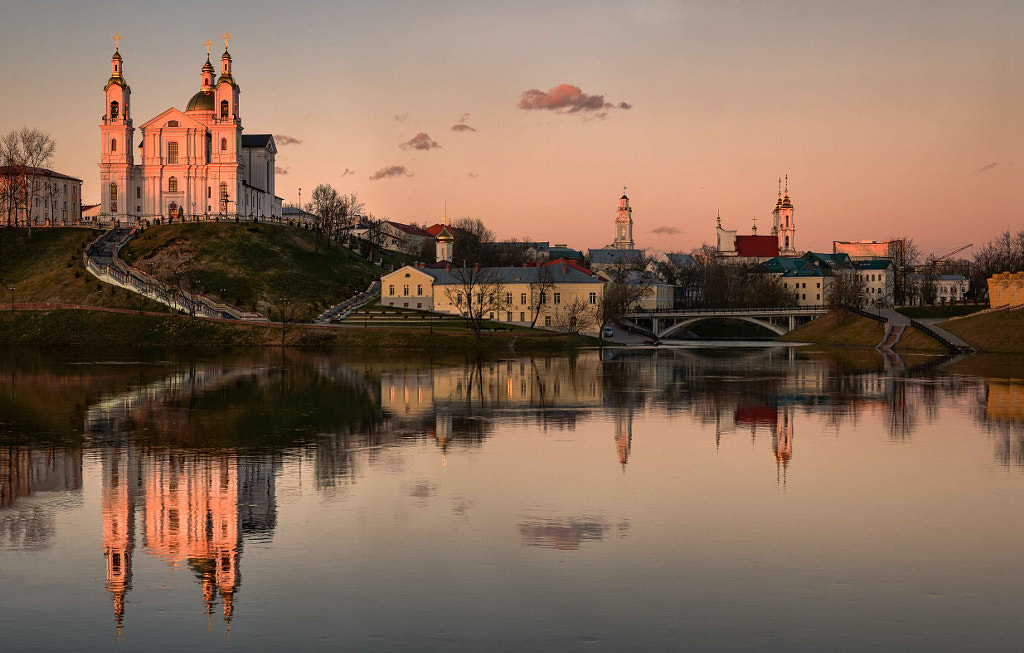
column 296, row 212
column 411, row 230
column 832, row 260
column 256, row 140
column 37, row 172
column 873, row 264
column 562, row 273
column 755, row 246
column 937, row 277
column 783, row 264
column 610, row 256
column 681, row 260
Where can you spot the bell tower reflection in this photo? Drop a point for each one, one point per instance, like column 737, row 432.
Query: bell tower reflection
column 624, row 435
column 118, row 498
column 782, row 441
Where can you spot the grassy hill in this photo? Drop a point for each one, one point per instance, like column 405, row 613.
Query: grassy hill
column 253, row 265
column 996, row 332
column 828, row 330
column 49, row 268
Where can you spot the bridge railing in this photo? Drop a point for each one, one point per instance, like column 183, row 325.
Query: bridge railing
column 732, row 309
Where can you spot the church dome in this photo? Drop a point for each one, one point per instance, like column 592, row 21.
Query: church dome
column 201, row 101
column 208, row 67
column 445, row 236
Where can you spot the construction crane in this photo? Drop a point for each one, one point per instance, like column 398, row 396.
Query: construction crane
column 933, row 260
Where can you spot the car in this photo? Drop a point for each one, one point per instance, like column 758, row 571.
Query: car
column 607, row 332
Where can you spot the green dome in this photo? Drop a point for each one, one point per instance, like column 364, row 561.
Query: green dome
column 201, row 101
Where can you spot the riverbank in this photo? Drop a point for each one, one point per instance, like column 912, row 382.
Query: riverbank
column 100, row 328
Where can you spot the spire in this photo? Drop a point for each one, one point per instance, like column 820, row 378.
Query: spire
column 786, row 204
column 753, row 229
column 719, row 218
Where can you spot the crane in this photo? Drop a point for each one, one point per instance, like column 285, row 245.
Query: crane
column 934, row 260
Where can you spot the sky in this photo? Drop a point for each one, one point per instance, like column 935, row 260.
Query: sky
column 890, row 119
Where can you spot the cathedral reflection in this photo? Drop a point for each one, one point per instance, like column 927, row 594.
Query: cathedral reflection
column 195, row 510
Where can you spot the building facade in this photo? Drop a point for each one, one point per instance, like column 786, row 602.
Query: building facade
column 193, row 164
column 44, row 197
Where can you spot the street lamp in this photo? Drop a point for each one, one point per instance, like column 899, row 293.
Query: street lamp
column 12, row 289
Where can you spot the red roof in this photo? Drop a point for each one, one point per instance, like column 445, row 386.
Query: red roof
column 757, row 246
column 756, row 416
column 409, row 229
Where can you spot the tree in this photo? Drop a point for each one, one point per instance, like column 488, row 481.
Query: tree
column 846, row 290
column 374, row 233
column 577, row 316
column 1004, row 253
column 540, row 291
column 474, row 242
column 478, row 293
column 24, row 153
column 905, row 256
column 616, row 300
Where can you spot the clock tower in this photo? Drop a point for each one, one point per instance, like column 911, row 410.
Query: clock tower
column 624, row 224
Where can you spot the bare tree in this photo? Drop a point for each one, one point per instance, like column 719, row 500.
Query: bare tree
column 905, row 256
column 846, row 290
column 540, row 291
column 474, row 242
column 374, row 234
column 577, row 316
column 478, row 294
column 617, row 298
column 323, row 204
column 25, row 153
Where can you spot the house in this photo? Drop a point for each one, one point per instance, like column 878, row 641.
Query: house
column 54, row 199
column 295, row 215
column 442, row 289
column 879, row 279
column 657, row 296
column 607, row 259
column 938, row 288
column 807, row 278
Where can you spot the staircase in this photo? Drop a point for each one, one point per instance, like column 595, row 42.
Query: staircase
column 893, row 334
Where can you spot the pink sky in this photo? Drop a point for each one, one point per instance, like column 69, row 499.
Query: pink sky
column 889, row 120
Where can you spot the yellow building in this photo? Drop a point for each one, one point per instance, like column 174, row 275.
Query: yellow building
column 1006, row 289
column 558, row 289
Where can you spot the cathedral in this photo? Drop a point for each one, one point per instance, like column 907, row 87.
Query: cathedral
column 193, row 165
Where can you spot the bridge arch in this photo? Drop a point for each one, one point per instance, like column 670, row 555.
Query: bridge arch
column 682, row 324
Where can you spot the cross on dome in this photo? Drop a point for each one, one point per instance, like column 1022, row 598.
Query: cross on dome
column 207, row 43
column 226, row 38
column 117, row 40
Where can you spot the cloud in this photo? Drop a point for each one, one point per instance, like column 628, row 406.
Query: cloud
column 461, row 125
column 989, row 166
column 391, row 171
column 400, row 117
column 566, row 98
column 665, row 230
column 348, row 172
column 280, row 171
column 473, row 175
column 284, row 139
column 420, row 142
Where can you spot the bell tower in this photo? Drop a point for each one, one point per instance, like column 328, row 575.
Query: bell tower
column 116, row 141
column 782, row 222
column 624, row 224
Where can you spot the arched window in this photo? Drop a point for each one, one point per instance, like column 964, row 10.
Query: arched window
column 223, row 196
column 172, row 185
column 224, row 109
column 172, row 123
column 172, row 152
column 113, row 145
column 114, row 110
column 223, row 145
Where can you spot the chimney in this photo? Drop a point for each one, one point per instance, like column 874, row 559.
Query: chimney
column 447, row 267
column 476, row 267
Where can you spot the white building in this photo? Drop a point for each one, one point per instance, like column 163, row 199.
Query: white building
column 55, row 199
column 193, row 163
column 946, row 288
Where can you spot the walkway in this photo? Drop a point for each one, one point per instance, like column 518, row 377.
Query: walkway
column 896, row 320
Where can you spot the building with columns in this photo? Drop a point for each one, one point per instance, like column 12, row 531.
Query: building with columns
column 192, row 164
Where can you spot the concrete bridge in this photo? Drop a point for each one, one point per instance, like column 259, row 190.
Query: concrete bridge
column 666, row 323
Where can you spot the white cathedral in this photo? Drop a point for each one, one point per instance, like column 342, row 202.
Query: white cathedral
column 194, row 165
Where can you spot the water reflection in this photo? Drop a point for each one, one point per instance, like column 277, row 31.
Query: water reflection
column 190, row 455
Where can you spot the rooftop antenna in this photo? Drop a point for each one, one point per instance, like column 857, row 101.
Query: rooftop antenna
column 446, row 214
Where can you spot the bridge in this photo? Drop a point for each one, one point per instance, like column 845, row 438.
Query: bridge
column 666, row 323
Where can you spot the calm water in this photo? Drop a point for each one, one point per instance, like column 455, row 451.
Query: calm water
column 761, row 498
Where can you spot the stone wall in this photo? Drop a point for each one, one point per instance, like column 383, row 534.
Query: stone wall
column 1006, row 289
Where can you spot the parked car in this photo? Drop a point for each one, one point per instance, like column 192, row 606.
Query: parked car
column 607, row 332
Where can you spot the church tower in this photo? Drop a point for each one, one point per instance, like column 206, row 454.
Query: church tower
column 117, row 142
column 782, row 222
column 445, row 246
column 624, row 225
column 226, row 131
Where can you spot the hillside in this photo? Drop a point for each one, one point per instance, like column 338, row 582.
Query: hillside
column 49, row 268
column 999, row 332
column 828, row 330
column 253, row 266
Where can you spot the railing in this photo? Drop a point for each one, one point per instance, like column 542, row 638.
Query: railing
column 953, row 347
column 342, row 310
column 856, row 310
column 774, row 310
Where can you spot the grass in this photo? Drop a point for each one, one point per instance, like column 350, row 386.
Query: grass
column 918, row 341
column 49, row 268
column 95, row 328
column 954, row 310
column 1000, row 332
column 254, row 266
column 828, row 330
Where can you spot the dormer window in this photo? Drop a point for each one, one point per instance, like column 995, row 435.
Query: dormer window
column 114, row 110
column 172, row 123
column 224, row 109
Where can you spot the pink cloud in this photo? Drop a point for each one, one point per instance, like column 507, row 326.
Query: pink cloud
column 284, row 139
column 348, row 172
column 566, row 98
column 280, row 171
column 461, row 125
column 420, row 142
column 391, row 171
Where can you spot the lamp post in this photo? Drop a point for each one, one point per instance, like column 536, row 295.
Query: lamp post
column 300, row 198
column 12, row 289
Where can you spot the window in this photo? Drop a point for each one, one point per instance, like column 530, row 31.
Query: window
column 138, row 192
column 209, row 190
column 542, row 298
column 223, row 145
column 114, row 110
column 223, row 196
column 819, row 295
column 419, row 289
column 172, row 152
column 224, row 109
column 391, row 289
column 490, row 316
column 508, row 299
column 113, row 192
column 458, row 299
column 819, row 284
column 805, row 296
column 113, row 145
column 172, row 123
column 593, row 298
column 419, row 304
column 547, row 320
column 522, row 316
column 558, row 298
column 508, row 316
column 405, row 290
column 522, row 298
column 172, row 185
column 480, row 298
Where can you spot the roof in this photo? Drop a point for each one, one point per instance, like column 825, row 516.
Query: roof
column 201, row 101
column 937, row 277
column 295, row 211
column 754, row 246
column 560, row 251
column 873, row 264
column 611, row 256
column 409, row 229
column 562, row 273
column 832, row 260
column 256, row 140
column 783, row 264
column 39, row 172
column 680, row 260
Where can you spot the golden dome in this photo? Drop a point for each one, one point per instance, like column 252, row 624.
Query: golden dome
column 201, row 101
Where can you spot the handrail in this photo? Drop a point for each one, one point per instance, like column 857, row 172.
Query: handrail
column 772, row 309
